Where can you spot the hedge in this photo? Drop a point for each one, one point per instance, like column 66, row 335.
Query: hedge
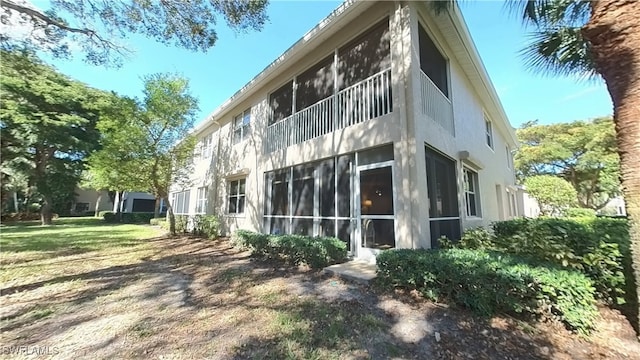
column 316, row 252
column 128, row 218
column 198, row 225
column 598, row 247
column 490, row 283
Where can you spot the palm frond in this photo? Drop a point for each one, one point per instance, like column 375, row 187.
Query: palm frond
column 546, row 13
column 440, row 6
column 559, row 51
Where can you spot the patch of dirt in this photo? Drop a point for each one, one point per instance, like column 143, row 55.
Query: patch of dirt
column 200, row 299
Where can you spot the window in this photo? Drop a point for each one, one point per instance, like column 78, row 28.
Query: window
column 201, row 200
column 311, row 199
column 432, row 62
column 471, row 192
column 181, row 202
column 513, row 211
column 242, row 126
column 368, row 54
column 236, row 196
column 82, row 207
column 509, row 158
column 489, row 132
column 206, row 146
column 281, row 103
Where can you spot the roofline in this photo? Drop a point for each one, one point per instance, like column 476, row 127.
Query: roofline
column 463, row 31
column 325, row 24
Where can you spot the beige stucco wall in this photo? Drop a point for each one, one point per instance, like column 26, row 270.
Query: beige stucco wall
column 495, row 175
column 407, row 128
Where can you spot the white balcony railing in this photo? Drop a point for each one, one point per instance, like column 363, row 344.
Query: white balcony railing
column 367, row 99
column 436, row 105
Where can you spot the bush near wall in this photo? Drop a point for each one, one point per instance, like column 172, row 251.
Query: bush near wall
column 598, row 247
column 162, row 222
column 205, row 226
column 491, row 282
column 198, row 225
column 579, row 212
column 316, row 252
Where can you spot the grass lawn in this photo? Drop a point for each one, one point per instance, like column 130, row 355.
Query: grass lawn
column 82, row 289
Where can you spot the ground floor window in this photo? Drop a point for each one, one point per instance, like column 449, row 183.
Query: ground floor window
column 513, row 210
column 312, row 199
column 201, row 200
column 180, row 202
column 81, row 207
column 471, row 195
column 236, row 196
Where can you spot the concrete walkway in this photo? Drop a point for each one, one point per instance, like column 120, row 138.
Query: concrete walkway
column 357, row 271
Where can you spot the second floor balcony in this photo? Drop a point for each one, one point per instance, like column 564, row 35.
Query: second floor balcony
column 365, row 100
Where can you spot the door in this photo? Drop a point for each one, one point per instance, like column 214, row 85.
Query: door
column 442, row 188
column 375, row 210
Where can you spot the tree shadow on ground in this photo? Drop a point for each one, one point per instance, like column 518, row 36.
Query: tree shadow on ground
column 205, row 299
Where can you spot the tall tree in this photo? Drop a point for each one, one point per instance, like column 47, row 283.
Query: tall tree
column 601, row 37
column 48, row 121
column 169, row 115
column 96, row 26
column 116, row 166
column 583, row 153
column 146, row 145
column 552, row 193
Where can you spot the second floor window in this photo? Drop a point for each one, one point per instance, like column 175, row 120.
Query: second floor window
column 242, row 126
column 489, row 132
column 206, row 146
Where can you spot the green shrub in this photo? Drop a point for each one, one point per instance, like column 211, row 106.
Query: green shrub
column 182, row 224
column 109, row 216
column 22, row 216
column 597, row 247
column 478, row 238
column 162, row 222
column 491, row 282
column 248, row 240
column 317, row 252
column 128, row 218
column 206, row 226
column 579, row 212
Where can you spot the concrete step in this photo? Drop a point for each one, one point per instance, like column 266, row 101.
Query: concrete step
column 361, row 272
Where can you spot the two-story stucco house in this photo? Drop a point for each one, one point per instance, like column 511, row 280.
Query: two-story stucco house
column 380, row 127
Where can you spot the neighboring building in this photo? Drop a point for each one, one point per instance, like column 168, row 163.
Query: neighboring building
column 526, row 205
column 615, row 207
column 138, row 202
column 87, row 199
column 380, row 127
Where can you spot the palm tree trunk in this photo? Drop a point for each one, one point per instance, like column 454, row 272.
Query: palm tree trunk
column 614, row 34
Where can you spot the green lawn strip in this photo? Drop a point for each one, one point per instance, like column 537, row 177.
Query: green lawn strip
column 30, row 252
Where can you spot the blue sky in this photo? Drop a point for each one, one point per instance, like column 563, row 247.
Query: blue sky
column 237, row 58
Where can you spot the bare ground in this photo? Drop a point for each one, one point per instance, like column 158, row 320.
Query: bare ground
column 186, row 298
